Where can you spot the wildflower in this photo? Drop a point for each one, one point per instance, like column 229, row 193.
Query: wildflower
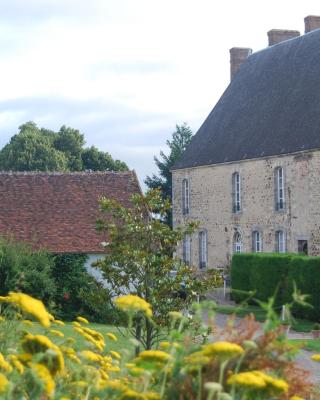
column 133, row 304
column 103, row 374
column 152, row 396
column 132, row 395
column 175, row 315
column 76, row 323
column 213, row 387
column 316, row 357
column 82, row 320
column 56, row 333
column 31, row 306
column 91, row 356
column 196, row 359
column 112, row 336
column 27, row 322
column 275, row 384
column 224, row 350
column 296, row 398
column 95, row 334
column 115, row 354
column 164, row 345
column 43, row 374
column 58, row 322
column 80, row 384
column 16, row 363
column 248, row 380
column 4, row 383
column 153, row 356
column 4, row 298
column 4, row 365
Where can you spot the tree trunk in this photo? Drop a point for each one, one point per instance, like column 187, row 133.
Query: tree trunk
column 149, row 329
column 138, row 334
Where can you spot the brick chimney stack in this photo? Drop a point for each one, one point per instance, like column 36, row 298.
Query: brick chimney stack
column 280, row 35
column 238, row 56
column 311, row 22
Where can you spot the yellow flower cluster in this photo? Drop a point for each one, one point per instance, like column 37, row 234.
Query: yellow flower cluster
column 259, row 380
column 224, row 350
column 132, row 304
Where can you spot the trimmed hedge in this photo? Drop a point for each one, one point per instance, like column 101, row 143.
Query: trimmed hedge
column 269, row 274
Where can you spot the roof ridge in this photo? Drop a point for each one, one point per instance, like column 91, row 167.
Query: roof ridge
column 87, row 172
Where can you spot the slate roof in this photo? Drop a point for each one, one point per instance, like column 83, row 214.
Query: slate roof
column 58, row 211
column 271, row 107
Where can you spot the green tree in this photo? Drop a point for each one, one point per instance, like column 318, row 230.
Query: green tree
column 181, row 137
column 34, row 149
column 139, row 259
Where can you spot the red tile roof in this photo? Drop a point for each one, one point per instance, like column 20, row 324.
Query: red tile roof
column 58, row 211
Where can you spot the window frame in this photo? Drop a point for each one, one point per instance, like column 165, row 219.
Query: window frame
column 257, row 241
column 203, row 249
column 186, row 250
column 236, row 193
column 281, row 241
column 185, row 196
column 237, row 244
column 279, row 189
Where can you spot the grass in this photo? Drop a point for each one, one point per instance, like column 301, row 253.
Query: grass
column 307, row 344
column 121, row 344
column 299, row 325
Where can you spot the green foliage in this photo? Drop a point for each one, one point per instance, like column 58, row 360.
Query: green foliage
column 280, row 275
column 78, row 293
column 139, row 256
column 35, row 149
column 22, row 269
column 180, row 139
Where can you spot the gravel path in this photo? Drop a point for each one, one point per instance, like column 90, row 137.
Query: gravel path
column 303, row 358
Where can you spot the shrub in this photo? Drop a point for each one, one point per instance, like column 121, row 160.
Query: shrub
column 22, row 269
column 274, row 275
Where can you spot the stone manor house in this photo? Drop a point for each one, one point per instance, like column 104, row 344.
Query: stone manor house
column 251, row 174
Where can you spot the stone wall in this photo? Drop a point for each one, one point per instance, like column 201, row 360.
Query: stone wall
column 211, row 204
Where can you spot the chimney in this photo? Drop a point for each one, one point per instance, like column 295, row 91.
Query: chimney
column 280, row 35
column 238, row 56
column 311, row 22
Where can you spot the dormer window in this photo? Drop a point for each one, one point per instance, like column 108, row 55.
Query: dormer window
column 279, row 189
column 185, row 196
column 236, row 192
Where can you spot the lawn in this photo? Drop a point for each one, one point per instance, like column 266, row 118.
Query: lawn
column 299, row 325
column 307, row 344
column 121, row 344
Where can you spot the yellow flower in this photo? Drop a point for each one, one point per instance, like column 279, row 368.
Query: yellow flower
column 45, row 377
column 153, row 356
column 52, row 358
column 56, row 333
column 16, row 363
column 224, row 350
column 152, row 396
column 296, row 398
column 112, row 336
column 91, row 356
column 31, row 306
column 132, row 304
column 275, row 384
column 4, row 298
column 27, row 322
column 248, row 380
column 4, row 383
column 164, row 345
column 82, row 320
column 316, row 357
column 130, row 394
column 58, row 322
column 196, row 359
column 115, row 354
column 76, row 323
column 95, row 334
column 80, row 384
column 175, row 315
column 2, row 319
column 103, row 374
column 4, row 365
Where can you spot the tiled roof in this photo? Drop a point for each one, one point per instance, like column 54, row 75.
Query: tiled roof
column 271, row 107
column 58, row 211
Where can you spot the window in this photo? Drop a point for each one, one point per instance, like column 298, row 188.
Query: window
column 202, row 249
column 236, row 191
column 185, row 196
column 279, row 182
column 237, row 242
column 280, row 242
column 256, row 242
column 187, row 250
column 303, row 247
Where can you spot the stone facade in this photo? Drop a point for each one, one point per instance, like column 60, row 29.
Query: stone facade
column 211, row 200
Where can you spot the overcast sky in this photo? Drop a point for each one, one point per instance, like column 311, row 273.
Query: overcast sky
column 124, row 72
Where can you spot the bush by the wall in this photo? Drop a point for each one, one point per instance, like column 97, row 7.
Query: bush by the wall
column 272, row 275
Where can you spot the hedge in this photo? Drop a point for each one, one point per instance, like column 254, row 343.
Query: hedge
column 273, row 275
